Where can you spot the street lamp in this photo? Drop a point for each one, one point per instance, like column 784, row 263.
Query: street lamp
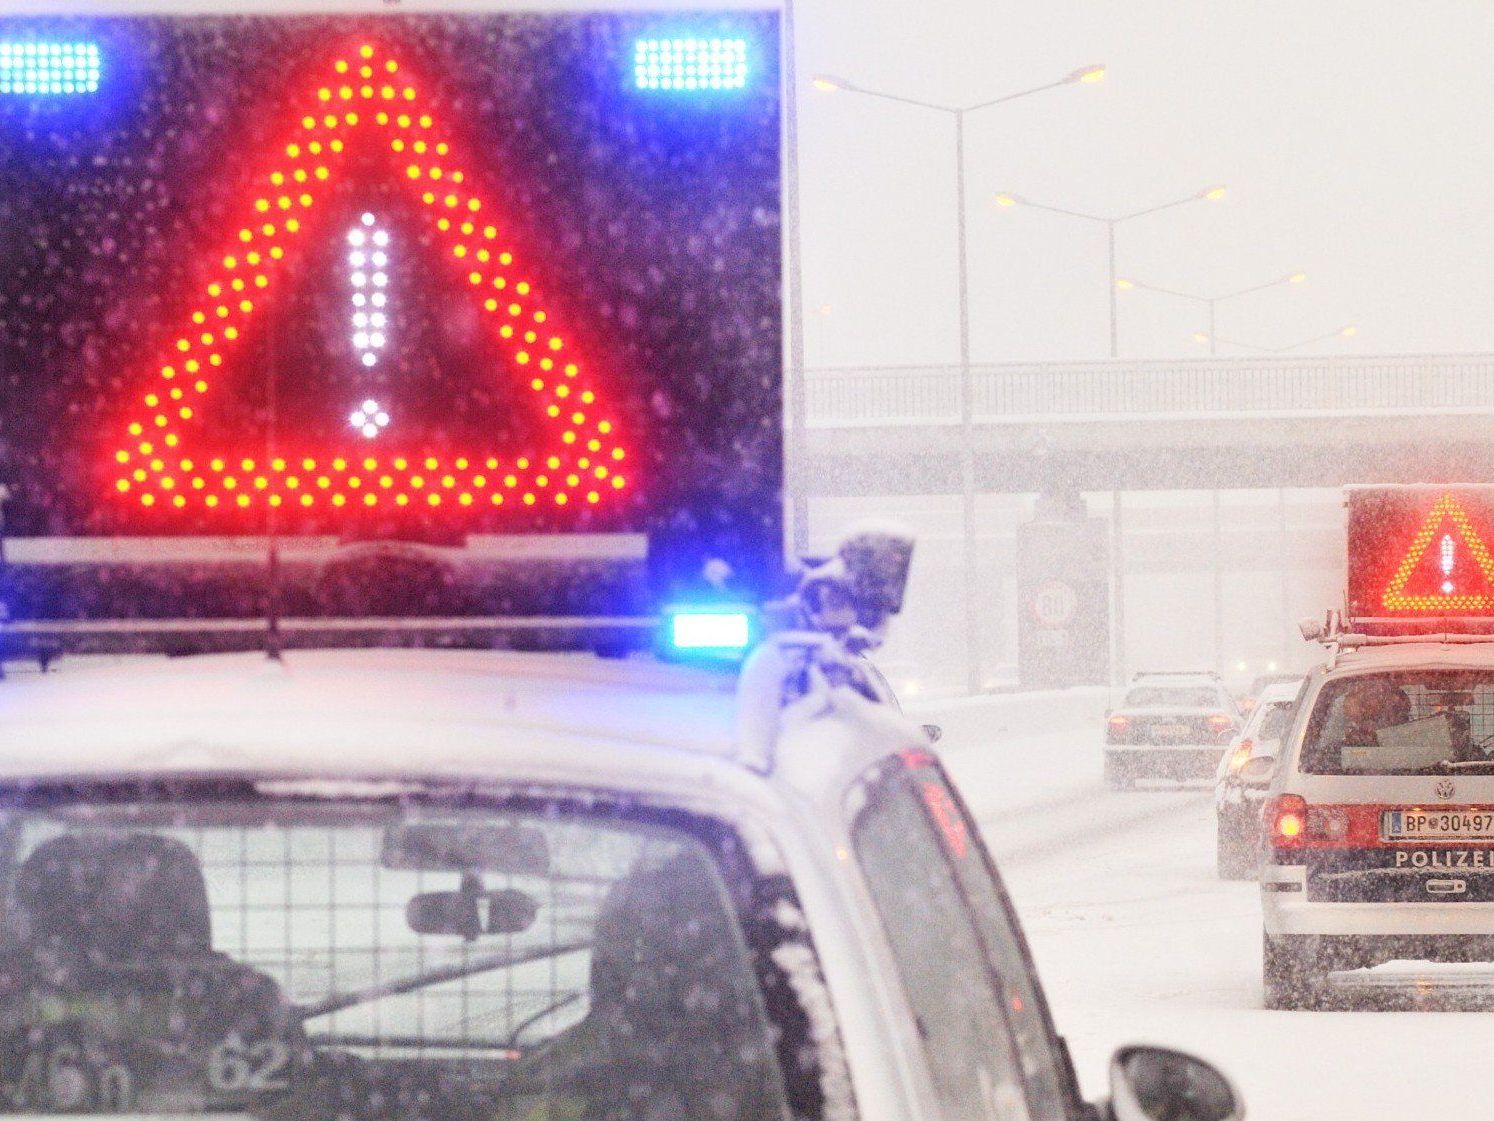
column 1347, row 331
column 1126, row 284
column 830, row 84
column 1110, row 222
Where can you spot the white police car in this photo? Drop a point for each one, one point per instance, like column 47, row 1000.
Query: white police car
column 1380, row 824
column 1378, row 873
column 402, row 884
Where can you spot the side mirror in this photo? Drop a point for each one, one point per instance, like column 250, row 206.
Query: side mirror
column 934, row 732
column 1158, row 1084
column 1257, row 771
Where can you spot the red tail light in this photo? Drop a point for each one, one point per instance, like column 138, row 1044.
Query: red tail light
column 1118, row 724
column 1219, row 724
column 1286, row 821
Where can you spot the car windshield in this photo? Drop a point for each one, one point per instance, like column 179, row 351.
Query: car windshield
column 1422, row 722
column 318, row 959
column 1173, row 696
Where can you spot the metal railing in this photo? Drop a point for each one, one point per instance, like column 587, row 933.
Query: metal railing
column 1266, row 387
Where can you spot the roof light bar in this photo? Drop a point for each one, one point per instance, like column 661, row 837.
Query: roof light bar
column 49, row 68
column 689, row 64
column 707, row 630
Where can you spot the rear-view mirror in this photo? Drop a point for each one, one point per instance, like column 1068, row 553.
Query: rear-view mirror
column 1257, row 771
column 1158, row 1084
column 466, row 847
column 471, row 912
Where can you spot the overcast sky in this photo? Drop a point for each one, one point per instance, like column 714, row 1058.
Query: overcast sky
column 1354, row 135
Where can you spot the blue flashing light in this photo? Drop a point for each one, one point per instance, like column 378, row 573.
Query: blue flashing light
column 688, row 64
column 721, row 630
column 48, row 68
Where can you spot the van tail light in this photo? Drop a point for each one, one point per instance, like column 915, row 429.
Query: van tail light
column 1241, row 756
column 1292, row 824
column 1219, row 724
column 1118, row 725
column 1286, row 821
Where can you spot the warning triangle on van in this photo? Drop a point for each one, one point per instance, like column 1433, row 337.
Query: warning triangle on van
column 366, row 103
column 1447, row 569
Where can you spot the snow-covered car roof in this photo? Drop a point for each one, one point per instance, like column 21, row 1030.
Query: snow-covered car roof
column 1281, row 693
column 1174, row 677
column 381, row 713
column 1415, row 655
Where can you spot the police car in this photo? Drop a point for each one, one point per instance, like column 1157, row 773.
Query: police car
column 465, row 884
column 1378, row 869
column 1169, row 725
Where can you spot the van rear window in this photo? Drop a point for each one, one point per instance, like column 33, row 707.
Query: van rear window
column 1413, row 722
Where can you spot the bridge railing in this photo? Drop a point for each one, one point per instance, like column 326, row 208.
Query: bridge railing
column 1279, row 387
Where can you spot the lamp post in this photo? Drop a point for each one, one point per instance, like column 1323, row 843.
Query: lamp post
column 1126, row 284
column 1110, row 222
column 1086, row 75
column 1347, row 331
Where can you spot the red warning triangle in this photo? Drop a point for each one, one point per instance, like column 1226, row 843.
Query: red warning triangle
column 366, row 99
column 1447, row 569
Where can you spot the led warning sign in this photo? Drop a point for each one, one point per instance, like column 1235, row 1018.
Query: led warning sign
column 1421, row 551
column 368, row 103
column 419, row 271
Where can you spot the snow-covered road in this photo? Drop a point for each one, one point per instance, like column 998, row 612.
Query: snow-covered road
column 1137, row 940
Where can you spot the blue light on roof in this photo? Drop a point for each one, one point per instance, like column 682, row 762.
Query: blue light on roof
column 48, row 68
column 687, row 64
column 705, row 630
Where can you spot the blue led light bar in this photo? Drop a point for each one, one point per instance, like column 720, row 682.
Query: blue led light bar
column 708, row 630
column 690, row 64
column 48, row 68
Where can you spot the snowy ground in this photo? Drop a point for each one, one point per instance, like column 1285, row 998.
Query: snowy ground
column 1138, row 941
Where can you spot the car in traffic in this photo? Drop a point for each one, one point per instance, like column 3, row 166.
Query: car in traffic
column 1379, row 829
column 466, row 884
column 1240, row 789
column 1247, row 700
column 1169, row 725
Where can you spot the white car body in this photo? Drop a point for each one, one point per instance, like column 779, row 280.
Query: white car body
column 1422, row 924
column 788, row 777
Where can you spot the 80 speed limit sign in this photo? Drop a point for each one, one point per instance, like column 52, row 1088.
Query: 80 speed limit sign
column 1054, row 603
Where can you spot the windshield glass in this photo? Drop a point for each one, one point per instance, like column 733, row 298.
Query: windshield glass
column 1401, row 723
column 1164, row 696
column 312, row 960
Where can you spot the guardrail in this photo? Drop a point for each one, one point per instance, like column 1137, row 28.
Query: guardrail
column 1230, row 387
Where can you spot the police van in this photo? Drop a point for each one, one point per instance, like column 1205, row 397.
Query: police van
column 1378, row 867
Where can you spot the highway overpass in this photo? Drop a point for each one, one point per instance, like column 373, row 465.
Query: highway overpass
column 1230, row 422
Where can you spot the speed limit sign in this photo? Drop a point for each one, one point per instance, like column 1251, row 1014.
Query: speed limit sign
column 1054, row 603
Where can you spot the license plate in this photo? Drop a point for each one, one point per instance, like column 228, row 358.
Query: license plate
column 1437, row 825
column 1171, row 731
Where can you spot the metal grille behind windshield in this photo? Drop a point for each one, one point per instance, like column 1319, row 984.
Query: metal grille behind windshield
column 1423, row 722
column 354, row 961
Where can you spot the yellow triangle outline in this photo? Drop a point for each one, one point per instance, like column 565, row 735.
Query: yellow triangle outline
column 1446, row 508
column 367, row 92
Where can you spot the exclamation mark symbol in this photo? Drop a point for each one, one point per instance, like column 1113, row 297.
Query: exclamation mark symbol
column 1447, row 563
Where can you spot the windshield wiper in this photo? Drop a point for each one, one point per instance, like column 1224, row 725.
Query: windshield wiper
column 398, row 987
column 1471, row 767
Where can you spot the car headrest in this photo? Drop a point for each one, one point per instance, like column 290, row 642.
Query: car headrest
column 664, row 942
column 116, row 895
